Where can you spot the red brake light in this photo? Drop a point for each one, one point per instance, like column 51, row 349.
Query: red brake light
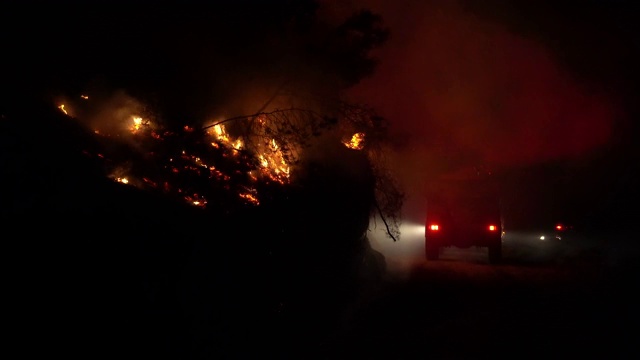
column 493, row 228
column 434, row 227
column 559, row 227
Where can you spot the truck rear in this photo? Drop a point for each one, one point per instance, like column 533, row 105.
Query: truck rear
column 464, row 214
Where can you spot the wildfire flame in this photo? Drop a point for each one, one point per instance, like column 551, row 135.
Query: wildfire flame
column 273, row 163
column 250, row 197
column 137, row 124
column 356, row 142
column 196, row 200
column 264, row 162
column 271, row 158
column 272, row 166
column 221, row 133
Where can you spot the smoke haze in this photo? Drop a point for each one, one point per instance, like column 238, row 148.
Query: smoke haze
column 461, row 90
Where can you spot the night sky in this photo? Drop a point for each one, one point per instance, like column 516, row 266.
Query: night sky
column 542, row 92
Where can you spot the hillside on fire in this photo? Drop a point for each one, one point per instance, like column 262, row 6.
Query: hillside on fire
column 197, row 198
column 137, row 249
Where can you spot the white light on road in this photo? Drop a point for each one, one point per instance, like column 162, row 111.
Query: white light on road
column 410, row 229
column 542, row 237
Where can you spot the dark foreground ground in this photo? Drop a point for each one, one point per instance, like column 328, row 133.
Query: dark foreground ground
column 547, row 300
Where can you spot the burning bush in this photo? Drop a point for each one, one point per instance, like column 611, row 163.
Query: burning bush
column 282, row 178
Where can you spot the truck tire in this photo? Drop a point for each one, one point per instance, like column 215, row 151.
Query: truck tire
column 432, row 252
column 495, row 254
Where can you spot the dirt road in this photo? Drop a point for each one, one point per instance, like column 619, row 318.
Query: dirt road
column 547, row 299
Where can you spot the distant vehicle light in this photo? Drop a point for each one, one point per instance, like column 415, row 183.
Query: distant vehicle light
column 542, row 237
column 493, row 228
column 558, row 227
column 434, row 227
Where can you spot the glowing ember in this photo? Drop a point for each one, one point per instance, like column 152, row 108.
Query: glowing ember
column 264, row 162
column 238, row 144
column 221, row 133
column 356, row 142
column 196, row 200
column 137, row 124
column 222, row 136
column 271, row 158
column 273, row 163
column 150, row 182
column 272, row 166
column 249, row 197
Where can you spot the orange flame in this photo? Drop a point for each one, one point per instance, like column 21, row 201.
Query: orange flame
column 250, row 196
column 221, row 133
column 196, row 200
column 272, row 164
column 137, row 124
column 356, row 142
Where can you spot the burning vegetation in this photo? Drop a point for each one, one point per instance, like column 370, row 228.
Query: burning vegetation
column 164, row 139
column 174, row 182
column 217, row 164
column 356, row 142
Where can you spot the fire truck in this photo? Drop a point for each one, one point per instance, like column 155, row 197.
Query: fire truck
column 464, row 210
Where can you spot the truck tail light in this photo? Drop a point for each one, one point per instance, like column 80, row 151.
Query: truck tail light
column 492, row 228
column 434, row 227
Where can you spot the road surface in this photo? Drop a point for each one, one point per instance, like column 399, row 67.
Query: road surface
column 548, row 299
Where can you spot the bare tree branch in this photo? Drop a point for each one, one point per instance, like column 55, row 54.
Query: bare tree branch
column 385, row 221
column 274, row 112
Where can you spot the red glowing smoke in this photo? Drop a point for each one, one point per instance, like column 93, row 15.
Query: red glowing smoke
column 450, row 79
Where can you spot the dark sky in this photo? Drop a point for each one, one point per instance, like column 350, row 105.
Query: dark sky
column 503, row 84
column 191, row 56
